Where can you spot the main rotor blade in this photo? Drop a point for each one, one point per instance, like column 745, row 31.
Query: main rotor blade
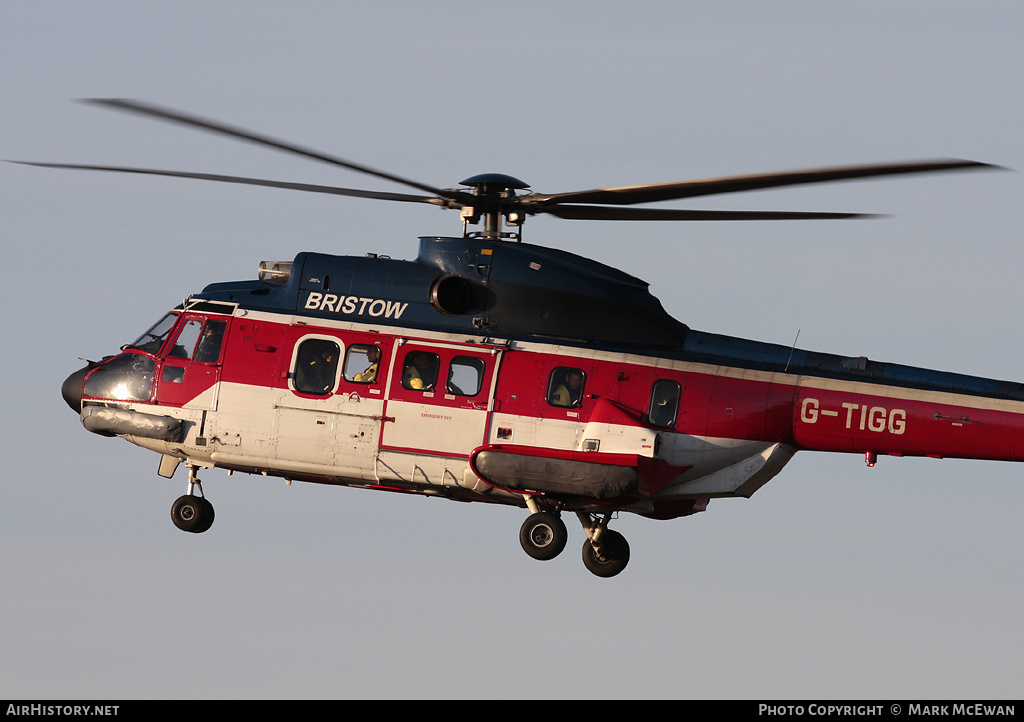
column 627, row 195
column 257, row 182
column 147, row 109
column 604, row 213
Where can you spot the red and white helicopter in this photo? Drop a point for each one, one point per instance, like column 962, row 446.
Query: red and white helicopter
column 492, row 370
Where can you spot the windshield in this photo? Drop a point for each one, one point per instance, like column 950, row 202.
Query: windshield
column 128, row 377
column 153, row 339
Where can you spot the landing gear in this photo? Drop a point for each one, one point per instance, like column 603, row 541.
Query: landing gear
column 192, row 513
column 605, row 552
column 543, row 535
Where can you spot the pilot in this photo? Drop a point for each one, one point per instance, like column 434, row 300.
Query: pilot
column 370, row 374
column 570, row 393
column 420, row 371
column 209, row 345
column 140, row 381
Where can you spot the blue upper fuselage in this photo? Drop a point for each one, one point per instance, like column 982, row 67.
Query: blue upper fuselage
column 519, row 291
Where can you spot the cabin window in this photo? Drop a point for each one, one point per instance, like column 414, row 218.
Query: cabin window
column 565, row 387
column 419, row 370
column 316, row 366
column 362, row 363
column 465, row 376
column 664, row 403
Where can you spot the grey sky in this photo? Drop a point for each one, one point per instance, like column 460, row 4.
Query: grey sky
column 835, row 580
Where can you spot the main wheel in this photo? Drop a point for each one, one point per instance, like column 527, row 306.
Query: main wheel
column 192, row 513
column 543, row 535
column 613, row 557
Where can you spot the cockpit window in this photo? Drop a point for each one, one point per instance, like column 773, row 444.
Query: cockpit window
column 128, row 377
column 202, row 338
column 153, row 339
column 208, row 350
column 187, row 338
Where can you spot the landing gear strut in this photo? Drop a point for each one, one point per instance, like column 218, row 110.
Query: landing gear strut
column 190, row 512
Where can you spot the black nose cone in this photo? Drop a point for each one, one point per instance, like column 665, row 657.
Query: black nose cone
column 71, row 389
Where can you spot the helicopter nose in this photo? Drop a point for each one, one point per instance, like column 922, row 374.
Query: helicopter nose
column 71, row 389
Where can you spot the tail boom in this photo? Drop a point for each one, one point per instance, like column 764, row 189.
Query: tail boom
column 868, row 418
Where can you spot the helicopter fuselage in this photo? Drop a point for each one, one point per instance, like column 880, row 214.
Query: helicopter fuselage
column 460, row 404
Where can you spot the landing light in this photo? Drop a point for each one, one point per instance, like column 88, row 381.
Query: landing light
column 276, row 272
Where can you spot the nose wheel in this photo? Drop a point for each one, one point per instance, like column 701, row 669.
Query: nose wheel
column 190, row 512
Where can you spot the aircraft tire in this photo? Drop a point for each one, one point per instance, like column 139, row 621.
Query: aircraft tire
column 613, row 558
column 543, row 535
column 192, row 514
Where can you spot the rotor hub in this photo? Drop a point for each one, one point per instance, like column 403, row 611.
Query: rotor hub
column 494, row 182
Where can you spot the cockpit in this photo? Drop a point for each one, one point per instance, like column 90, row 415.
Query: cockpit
column 169, row 358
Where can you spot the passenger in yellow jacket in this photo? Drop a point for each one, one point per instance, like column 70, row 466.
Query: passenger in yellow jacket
column 370, row 374
column 420, row 371
column 569, row 393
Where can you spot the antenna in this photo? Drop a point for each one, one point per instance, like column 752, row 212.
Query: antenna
column 791, row 350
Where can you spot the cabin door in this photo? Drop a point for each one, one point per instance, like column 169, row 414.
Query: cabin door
column 439, row 398
column 189, row 372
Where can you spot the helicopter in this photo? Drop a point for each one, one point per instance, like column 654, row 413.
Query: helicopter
column 493, row 370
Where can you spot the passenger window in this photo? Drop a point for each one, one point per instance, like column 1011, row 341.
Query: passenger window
column 565, row 387
column 419, row 370
column 465, row 375
column 362, row 363
column 210, row 342
column 316, row 366
column 664, row 403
